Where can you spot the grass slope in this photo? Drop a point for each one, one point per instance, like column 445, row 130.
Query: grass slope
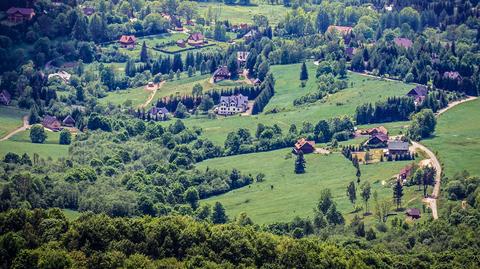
column 244, row 14
column 457, row 139
column 296, row 195
column 10, row 119
column 136, row 95
column 20, row 144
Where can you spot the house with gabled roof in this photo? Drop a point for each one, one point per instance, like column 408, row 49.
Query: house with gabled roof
column 403, row 42
column 196, row 39
column 5, row 98
column 221, row 73
column 230, row 105
column 69, row 121
column 413, row 213
column 18, row 15
column 397, row 147
column 51, row 122
column 128, row 41
column 251, row 35
column 377, row 140
column 158, row 113
column 419, row 93
column 304, row 146
column 453, row 75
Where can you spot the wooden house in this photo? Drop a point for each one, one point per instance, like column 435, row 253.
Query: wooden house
column 69, row 121
column 196, row 39
column 304, row 145
column 128, row 41
column 377, row 140
column 181, row 43
column 397, row 147
column 51, row 122
column 221, row 73
column 158, row 113
column 405, row 172
column 18, row 15
column 5, row 98
column 419, row 93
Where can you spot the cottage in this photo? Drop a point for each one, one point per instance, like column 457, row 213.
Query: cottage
column 405, row 172
column 419, row 93
column 413, row 213
column 344, row 30
column 221, row 73
column 64, row 76
column 377, row 140
column 69, row 121
column 88, row 11
column 158, row 113
column 304, row 145
column 403, row 42
column 250, row 35
column 397, row 147
column 18, row 15
column 196, row 39
column 5, row 98
column 242, row 57
column 230, row 105
column 181, row 43
column 375, row 130
column 51, row 122
column 128, row 41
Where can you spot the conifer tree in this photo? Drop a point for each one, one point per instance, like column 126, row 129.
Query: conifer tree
column 304, row 72
column 398, row 193
column 144, row 53
column 300, row 163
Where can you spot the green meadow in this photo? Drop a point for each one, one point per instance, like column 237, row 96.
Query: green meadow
column 287, row 88
column 10, row 119
column 456, row 140
column 20, row 144
column 241, row 14
column 296, row 195
column 136, row 95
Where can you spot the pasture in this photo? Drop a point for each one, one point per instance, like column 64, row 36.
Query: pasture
column 243, row 14
column 456, row 140
column 137, row 96
column 10, row 119
column 20, row 144
column 296, row 195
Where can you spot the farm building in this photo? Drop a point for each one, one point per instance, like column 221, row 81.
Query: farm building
column 196, row 39
column 230, row 105
column 18, row 15
column 69, row 121
column 397, row 147
column 377, row 140
column 403, row 42
column 373, row 131
column 128, row 41
column 5, row 98
column 419, row 93
column 304, row 145
column 413, row 213
column 221, row 73
column 51, row 122
column 158, row 113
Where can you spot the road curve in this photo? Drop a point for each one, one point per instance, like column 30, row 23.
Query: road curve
column 18, row 130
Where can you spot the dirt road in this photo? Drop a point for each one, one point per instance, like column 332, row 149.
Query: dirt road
column 25, row 126
column 452, row 104
column 153, row 90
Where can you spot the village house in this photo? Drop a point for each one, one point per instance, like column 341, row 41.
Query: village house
column 452, row 75
column 230, row 105
column 51, row 122
column 377, row 140
column 419, row 93
column 128, row 41
column 375, row 130
column 397, row 147
column 304, row 146
column 343, row 30
column 196, row 39
column 413, row 213
column 69, row 121
column 221, row 73
column 158, row 113
column 64, row 76
column 18, row 15
column 242, row 57
column 88, row 11
column 5, row 98
column 403, row 42
column 250, row 35
column 405, row 173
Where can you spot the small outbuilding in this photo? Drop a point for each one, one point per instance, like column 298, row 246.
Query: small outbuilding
column 69, row 121
column 413, row 213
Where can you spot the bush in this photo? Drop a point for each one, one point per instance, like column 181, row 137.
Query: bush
column 65, row 137
column 37, row 134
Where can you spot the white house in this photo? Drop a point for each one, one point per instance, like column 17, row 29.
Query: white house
column 230, row 105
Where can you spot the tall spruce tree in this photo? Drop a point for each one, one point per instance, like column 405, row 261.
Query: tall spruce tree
column 300, row 163
column 144, row 53
column 398, row 193
column 304, row 72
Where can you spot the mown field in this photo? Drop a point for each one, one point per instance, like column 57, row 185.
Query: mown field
column 241, row 14
column 10, row 119
column 296, row 195
column 20, row 144
column 287, row 88
column 456, row 141
column 136, row 95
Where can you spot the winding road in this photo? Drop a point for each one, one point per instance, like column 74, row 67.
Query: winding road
column 24, row 127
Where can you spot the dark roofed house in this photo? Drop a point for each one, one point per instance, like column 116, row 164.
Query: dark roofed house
column 304, row 145
column 419, row 93
column 377, row 140
column 17, row 14
column 403, row 42
column 397, row 147
column 51, row 122
column 158, row 113
column 128, row 41
column 414, row 213
column 69, row 121
column 251, row 35
column 5, row 98
column 196, row 39
column 453, row 75
column 221, row 73
column 88, row 11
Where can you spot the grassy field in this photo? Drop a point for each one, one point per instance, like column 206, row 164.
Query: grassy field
column 136, row 95
column 296, row 195
column 287, row 88
column 71, row 214
column 243, row 14
column 20, row 144
column 457, row 139
column 10, row 119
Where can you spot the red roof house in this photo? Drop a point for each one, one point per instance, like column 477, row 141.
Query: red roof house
column 304, row 145
column 17, row 14
column 128, row 41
